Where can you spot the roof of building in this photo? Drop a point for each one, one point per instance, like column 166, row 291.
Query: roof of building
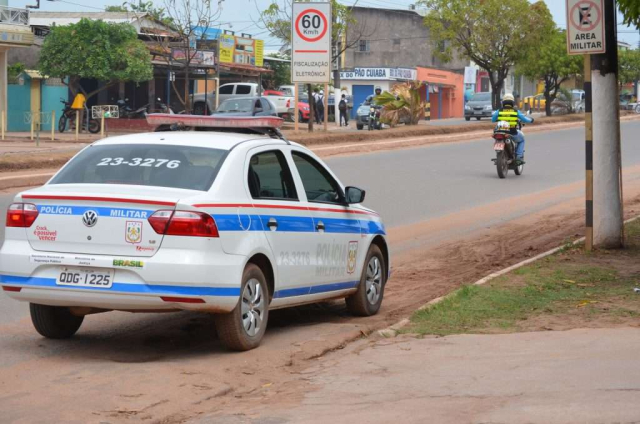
column 139, row 20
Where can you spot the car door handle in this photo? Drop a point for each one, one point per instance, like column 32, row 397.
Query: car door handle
column 272, row 224
column 320, row 226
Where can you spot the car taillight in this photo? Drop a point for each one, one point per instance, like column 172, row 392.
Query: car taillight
column 183, row 223
column 21, row 215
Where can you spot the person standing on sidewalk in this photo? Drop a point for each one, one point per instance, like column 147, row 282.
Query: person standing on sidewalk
column 342, row 106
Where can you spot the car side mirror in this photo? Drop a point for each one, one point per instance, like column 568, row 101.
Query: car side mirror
column 258, row 110
column 354, row 195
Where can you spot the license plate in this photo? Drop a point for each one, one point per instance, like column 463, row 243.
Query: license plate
column 478, row 112
column 85, row 277
column 498, row 146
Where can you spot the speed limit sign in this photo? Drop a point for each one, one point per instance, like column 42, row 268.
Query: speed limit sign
column 311, row 42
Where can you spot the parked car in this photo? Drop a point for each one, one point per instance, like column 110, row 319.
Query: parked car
column 231, row 223
column 479, row 106
column 304, row 112
column 246, row 106
column 627, row 101
column 240, row 89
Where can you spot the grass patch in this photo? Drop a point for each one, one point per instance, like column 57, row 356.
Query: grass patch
column 571, row 288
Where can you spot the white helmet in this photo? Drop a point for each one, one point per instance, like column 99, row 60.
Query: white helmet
column 508, row 97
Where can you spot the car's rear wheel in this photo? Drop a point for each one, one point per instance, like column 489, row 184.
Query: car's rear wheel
column 367, row 299
column 467, row 118
column 477, row 118
column 243, row 328
column 359, row 126
column 54, row 322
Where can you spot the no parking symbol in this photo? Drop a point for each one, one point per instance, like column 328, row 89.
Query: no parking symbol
column 585, row 27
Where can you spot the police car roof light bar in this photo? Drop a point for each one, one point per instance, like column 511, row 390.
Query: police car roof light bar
column 214, row 121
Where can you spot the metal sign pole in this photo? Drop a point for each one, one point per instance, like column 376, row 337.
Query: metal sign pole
column 297, row 109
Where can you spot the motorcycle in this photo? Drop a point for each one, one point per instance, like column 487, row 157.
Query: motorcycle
column 374, row 119
column 505, row 147
column 126, row 111
column 69, row 117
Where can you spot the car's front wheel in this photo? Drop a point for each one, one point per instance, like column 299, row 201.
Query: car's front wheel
column 243, row 328
column 367, row 299
column 54, row 322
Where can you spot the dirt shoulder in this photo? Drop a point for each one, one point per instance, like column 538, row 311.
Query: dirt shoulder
column 570, row 289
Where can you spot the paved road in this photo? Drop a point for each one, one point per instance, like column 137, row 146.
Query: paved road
column 413, row 185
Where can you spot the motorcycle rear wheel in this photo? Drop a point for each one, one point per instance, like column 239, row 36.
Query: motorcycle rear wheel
column 501, row 165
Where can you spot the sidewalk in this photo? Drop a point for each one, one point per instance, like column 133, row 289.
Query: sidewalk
column 578, row 376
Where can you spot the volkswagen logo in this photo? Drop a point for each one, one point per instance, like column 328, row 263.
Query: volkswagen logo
column 90, row 218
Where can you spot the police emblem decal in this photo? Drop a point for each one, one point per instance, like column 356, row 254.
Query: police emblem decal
column 352, row 255
column 133, row 232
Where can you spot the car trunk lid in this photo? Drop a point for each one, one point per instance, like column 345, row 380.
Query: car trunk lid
column 98, row 219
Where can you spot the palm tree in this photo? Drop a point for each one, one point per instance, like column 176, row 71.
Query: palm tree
column 402, row 103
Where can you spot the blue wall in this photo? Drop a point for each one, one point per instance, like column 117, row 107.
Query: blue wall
column 18, row 102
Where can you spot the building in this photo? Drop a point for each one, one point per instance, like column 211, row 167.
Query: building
column 387, row 46
column 15, row 35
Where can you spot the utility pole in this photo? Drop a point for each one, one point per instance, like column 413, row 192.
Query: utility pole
column 607, row 167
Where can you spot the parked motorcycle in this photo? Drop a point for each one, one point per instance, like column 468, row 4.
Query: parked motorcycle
column 374, row 118
column 163, row 107
column 505, row 147
column 126, row 111
column 68, row 117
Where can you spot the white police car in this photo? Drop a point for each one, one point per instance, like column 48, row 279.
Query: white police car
column 236, row 221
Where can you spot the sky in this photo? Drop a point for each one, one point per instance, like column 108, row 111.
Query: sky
column 241, row 15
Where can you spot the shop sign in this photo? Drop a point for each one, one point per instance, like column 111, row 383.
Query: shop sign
column 16, row 37
column 248, row 51
column 403, row 73
column 380, row 74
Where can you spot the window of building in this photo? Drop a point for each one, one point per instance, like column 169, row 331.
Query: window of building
column 364, row 46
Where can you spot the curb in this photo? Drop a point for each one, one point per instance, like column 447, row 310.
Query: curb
column 24, row 180
column 392, row 330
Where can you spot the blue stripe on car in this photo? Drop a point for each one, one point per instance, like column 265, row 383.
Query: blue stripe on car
column 228, row 222
column 162, row 290
column 159, row 290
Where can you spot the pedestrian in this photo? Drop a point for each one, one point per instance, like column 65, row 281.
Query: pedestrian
column 342, row 106
column 320, row 107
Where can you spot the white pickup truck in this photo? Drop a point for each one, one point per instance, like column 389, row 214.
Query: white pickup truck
column 237, row 89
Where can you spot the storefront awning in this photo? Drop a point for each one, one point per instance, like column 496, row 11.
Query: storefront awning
column 243, row 69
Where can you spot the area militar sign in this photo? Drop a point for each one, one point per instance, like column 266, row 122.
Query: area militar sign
column 585, row 27
column 311, row 43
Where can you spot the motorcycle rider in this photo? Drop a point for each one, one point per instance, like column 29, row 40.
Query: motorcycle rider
column 378, row 91
column 513, row 116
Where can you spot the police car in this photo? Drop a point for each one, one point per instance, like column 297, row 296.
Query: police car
column 231, row 219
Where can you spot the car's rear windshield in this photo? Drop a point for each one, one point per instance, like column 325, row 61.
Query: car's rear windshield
column 236, row 105
column 481, row 97
column 187, row 167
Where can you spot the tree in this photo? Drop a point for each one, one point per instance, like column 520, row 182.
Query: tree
column 495, row 34
column 628, row 66
column 142, row 7
column 190, row 21
column 403, row 101
column 281, row 74
column 631, row 11
column 551, row 63
column 98, row 50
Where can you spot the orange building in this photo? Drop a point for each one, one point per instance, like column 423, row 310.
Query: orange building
column 444, row 90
